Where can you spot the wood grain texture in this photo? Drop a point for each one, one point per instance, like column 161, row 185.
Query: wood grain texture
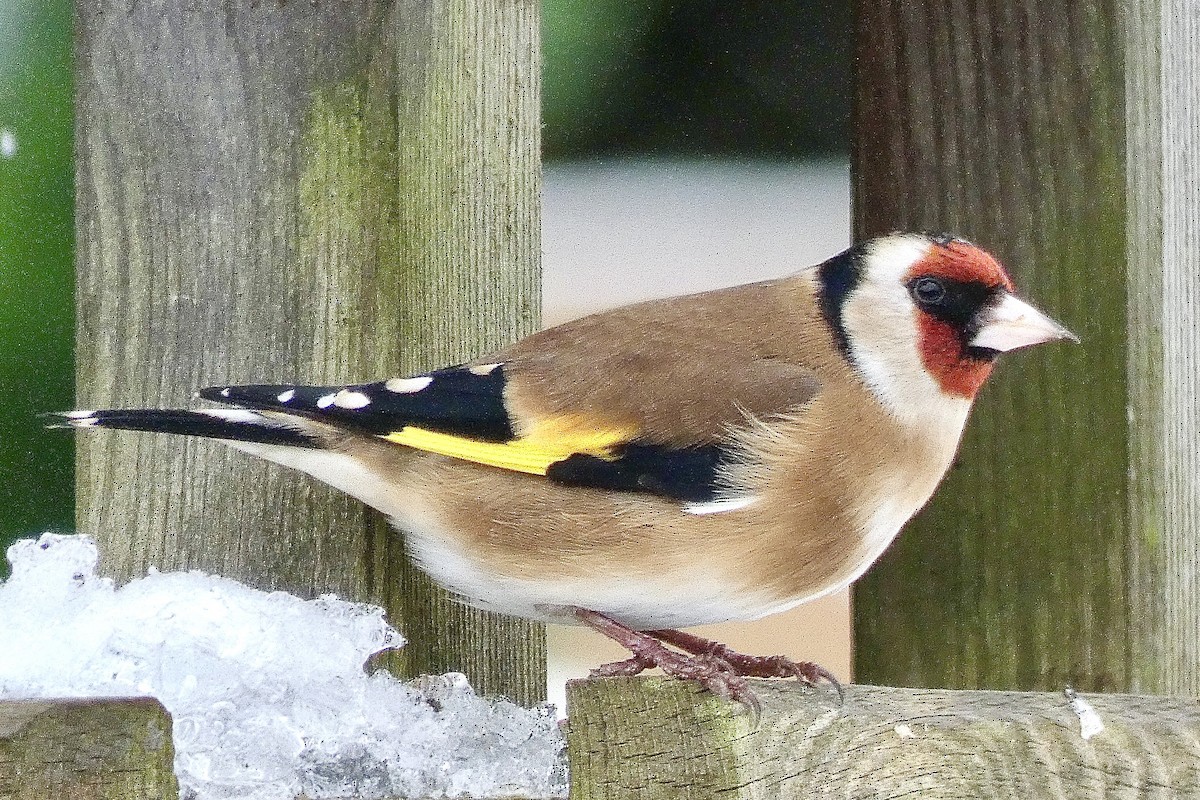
column 1005, row 122
column 307, row 192
column 86, row 750
column 656, row 739
column 1163, row 173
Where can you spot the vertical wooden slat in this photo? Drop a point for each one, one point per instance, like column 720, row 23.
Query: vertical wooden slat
column 277, row 192
column 1006, row 122
column 1163, row 173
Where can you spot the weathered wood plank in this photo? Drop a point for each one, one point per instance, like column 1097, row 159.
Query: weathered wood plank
column 1162, row 75
column 1062, row 136
column 655, row 739
column 314, row 192
column 86, row 750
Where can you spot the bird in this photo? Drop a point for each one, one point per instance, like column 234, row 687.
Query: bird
column 704, row 458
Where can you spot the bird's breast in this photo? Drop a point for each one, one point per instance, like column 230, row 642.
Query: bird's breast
column 835, row 485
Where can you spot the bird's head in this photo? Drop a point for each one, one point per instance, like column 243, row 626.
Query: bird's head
column 922, row 318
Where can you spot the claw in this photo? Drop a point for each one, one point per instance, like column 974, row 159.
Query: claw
column 630, row 666
column 714, row 666
column 750, row 702
column 750, row 666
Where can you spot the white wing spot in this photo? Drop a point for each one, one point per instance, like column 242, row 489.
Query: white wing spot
column 287, row 397
column 408, row 385
column 325, row 401
column 351, row 400
column 83, row 422
column 78, row 414
column 225, row 392
column 721, row 506
column 482, row 369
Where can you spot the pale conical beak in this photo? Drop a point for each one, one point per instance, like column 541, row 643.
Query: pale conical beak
column 1013, row 323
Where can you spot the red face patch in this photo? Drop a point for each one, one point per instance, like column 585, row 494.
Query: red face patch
column 940, row 342
column 958, row 375
column 962, row 261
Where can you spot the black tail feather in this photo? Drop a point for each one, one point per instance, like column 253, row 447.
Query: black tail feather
column 239, row 427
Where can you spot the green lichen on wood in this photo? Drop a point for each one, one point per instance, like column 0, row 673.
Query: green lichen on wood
column 86, row 750
column 624, row 735
column 421, row 225
column 348, row 232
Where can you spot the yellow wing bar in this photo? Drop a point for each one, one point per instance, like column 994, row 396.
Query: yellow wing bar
column 550, row 441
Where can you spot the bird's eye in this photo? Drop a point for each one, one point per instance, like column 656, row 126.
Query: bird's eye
column 928, row 291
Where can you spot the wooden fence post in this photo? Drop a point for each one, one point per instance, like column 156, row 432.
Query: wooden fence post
column 1064, row 137
column 315, row 192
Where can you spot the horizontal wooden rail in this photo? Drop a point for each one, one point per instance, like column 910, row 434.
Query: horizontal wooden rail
column 654, row 738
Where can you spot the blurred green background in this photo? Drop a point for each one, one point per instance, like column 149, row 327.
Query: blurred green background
column 36, row 268
column 651, row 79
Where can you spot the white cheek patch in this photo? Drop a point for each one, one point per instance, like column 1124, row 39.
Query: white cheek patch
column 884, row 340
column 884, row 346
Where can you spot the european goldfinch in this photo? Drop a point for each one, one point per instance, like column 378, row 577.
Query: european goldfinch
column 718, row 456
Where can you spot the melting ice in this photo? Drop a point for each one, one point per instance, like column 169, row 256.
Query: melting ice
column 267, row 692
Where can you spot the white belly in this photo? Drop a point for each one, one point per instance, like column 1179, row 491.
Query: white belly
column 668, row 600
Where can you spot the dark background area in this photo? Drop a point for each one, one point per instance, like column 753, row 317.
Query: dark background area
column 651, row 79
column 752, row 79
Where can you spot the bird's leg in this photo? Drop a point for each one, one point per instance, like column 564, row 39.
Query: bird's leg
column 747, row 665
column 708, row 669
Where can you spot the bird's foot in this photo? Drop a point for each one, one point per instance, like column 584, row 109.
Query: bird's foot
column 746, row 665
column 710, row 670
column 717, row 667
